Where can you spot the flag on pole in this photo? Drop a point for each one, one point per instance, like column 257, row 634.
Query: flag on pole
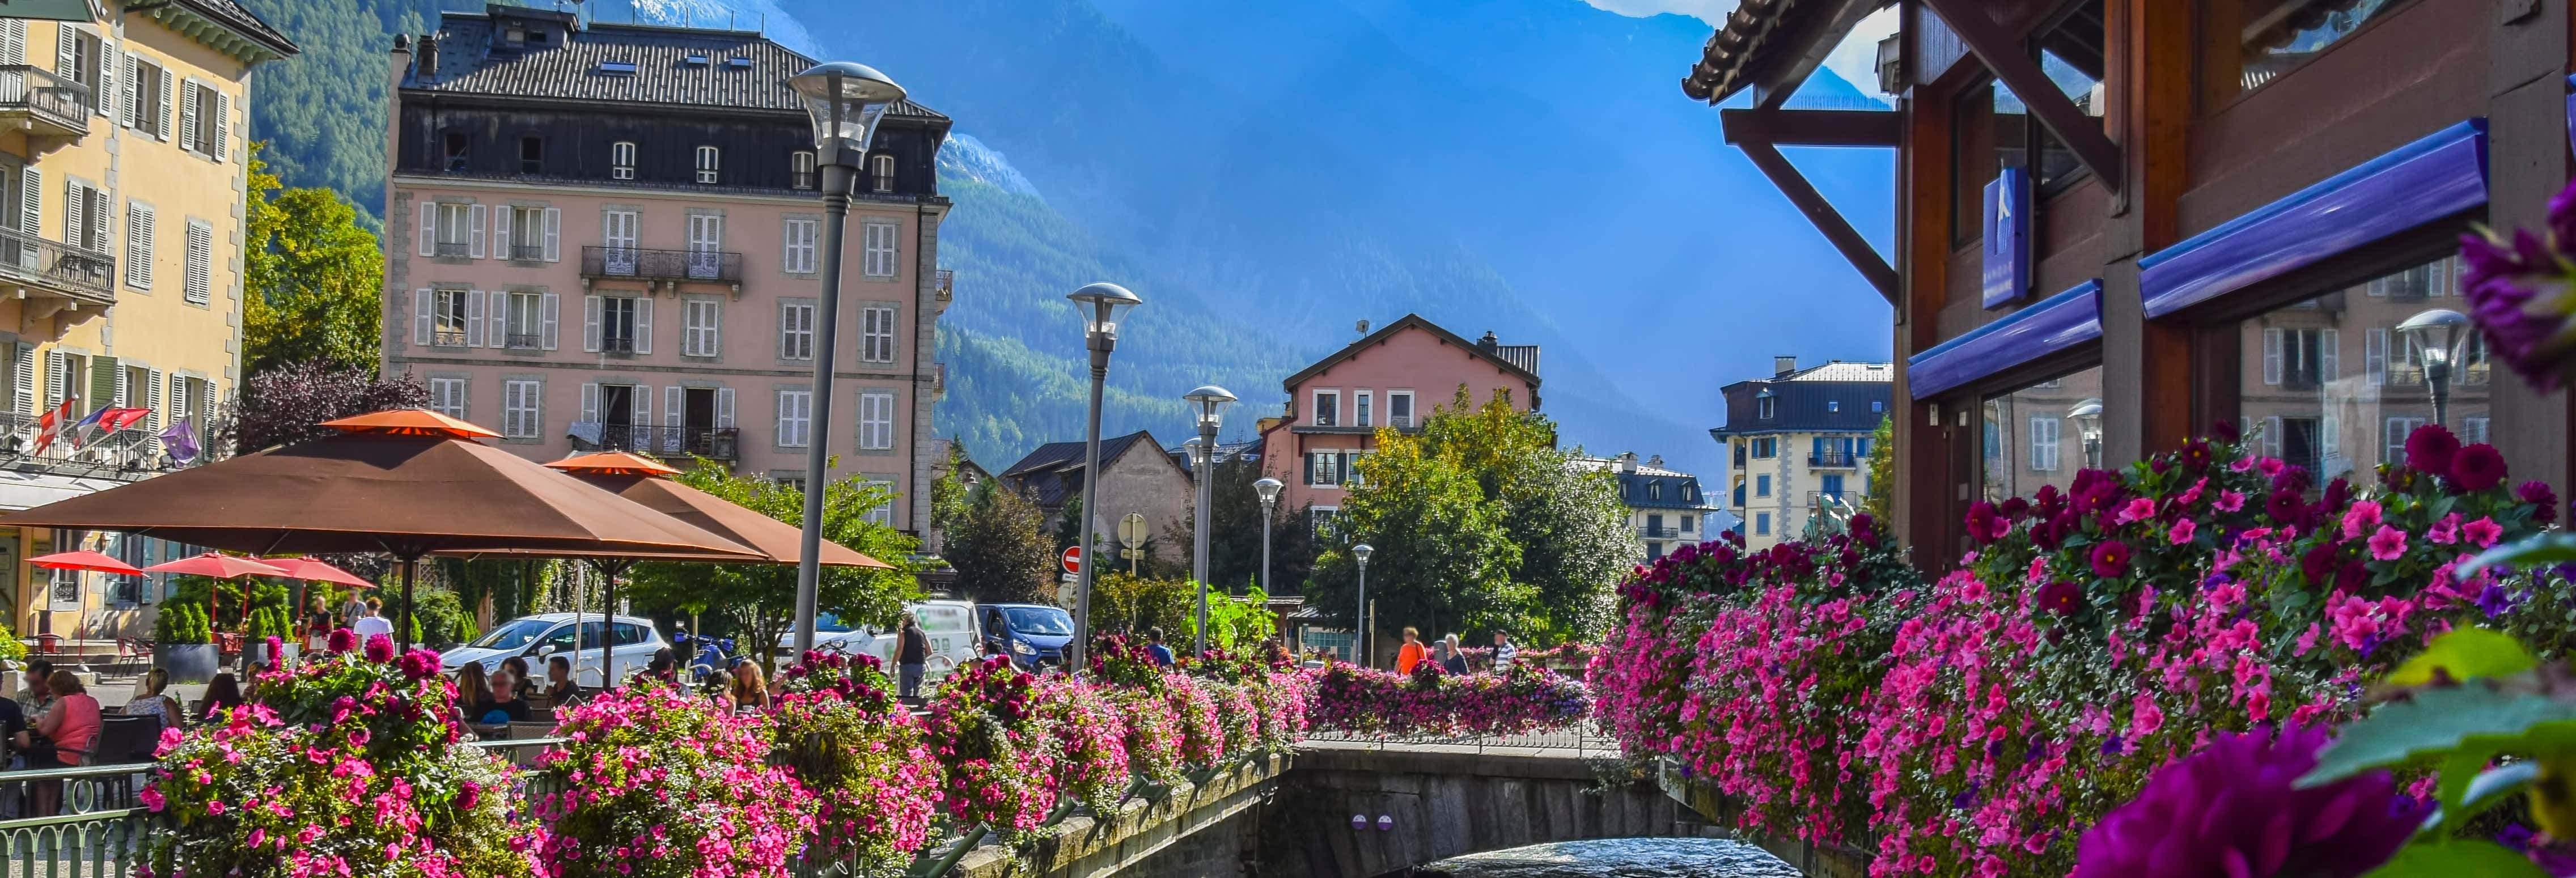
column 180, row 440
column 49, row 427
column 81, row 431
column 121, row 418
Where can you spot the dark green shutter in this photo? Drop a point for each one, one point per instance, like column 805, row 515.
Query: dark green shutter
column 102, row 384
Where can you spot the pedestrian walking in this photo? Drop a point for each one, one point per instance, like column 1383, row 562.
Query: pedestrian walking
column 1453, row 656
column 1154, row 646
column 911, row 657
column 371, row 621
column 1411, row 652
column 1504, row 651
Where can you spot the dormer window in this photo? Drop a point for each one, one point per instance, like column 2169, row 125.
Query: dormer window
column 1833, row 405
column 800, row 169
column 738, row 63
column 617, row 68
column 695, row 60
column 1766, row 406
column 456, row 149
column 537, row 37
column 515, row 34
column 707, row 164
column 1655, row 490
column 881, row 167
column 532, row 155
column 621, row 160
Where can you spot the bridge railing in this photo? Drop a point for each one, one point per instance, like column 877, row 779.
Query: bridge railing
column 1576, row 741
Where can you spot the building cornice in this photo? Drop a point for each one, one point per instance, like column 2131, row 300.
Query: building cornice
column 935, row 205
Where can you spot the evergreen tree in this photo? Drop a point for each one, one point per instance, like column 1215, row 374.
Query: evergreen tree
column 1000, row 549
column 315, row 278
column 760, row 599
column 1881, row 468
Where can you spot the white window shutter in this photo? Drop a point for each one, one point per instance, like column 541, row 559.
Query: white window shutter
column 421, row 300
column 75, row 214
column 715, row 330
column 724, row 408
column 223, row 126
column 590, row 402
column 188, row 116
column 641, row 408
column 108, row 61
column 64, row 36
column 152, row 400
column 644, row 325
column 498, row 308
column 31, row 200
column 501, row 230
column 2271, row 356
column 474, row 231
column 554, row 234
column 118, row 401
column 133, row 89
column 474, row 318
column 23, row 383
column 546, row 321
column 55, row 378
column 672, row 400
column 2374, row 355
column 161, row 126
column 590, row 324
column 428, row 228
column 2330, row 354
column 13, row 41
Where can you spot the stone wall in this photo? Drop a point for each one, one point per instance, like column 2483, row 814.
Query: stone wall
column 1445, row 803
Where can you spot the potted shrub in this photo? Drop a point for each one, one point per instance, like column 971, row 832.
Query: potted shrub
column 184, row 643
column 270, row 616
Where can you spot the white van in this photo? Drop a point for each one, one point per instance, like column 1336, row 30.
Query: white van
column 540, row 637
column 950, row 624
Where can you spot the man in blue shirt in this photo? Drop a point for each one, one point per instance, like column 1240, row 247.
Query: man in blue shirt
column 1154, row 647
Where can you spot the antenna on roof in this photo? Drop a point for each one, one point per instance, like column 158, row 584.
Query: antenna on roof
column 1363, row 326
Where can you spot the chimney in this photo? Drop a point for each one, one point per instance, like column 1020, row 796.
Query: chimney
column 1784, row 364
column 1656, row 461
column 1628, row 462
column 1489, row 343
column 428, row 69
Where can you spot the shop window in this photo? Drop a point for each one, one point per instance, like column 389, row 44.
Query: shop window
column 1993, row 129
column 2041, row 434
column 2276, row 36
column 2298, row 404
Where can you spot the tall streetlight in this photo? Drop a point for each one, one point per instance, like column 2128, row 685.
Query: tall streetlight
column 2439, row 333
column 1361, row 554
column 846, row 101
column 1209, row 403
column 2088, row 429
column 1268, row 489
column 1102, row 306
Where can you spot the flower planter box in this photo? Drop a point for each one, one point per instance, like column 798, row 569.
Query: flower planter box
column 188, row 662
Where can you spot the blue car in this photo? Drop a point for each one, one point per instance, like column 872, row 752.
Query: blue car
column 1033, row 635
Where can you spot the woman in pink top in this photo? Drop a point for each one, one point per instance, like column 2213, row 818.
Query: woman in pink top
column 71, row 724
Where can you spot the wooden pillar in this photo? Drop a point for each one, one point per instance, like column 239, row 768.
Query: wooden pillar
column 2526, row 164
column 1922, row 501
column 2147, row 367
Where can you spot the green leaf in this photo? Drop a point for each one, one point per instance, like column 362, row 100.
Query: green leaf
column 2465, row 654
column 2554, row 547
column 2457, row 857
column 2494, row 786
column 2441, row 720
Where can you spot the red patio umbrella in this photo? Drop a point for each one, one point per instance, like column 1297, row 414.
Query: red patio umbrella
column 311, row 569
column 218, row 566
column 84, row 560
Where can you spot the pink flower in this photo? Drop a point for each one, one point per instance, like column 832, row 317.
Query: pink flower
column 2445, row 531
column 2180, row 534
column 2359, row 519
column 2230, row 501
column 2144, row 718
column 2138, row 510
column 2484, row 532
column 2389, row 544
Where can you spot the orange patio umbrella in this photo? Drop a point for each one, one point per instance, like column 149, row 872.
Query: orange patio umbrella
column 84, row 560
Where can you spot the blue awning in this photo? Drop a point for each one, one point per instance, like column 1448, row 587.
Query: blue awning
column 2046, row 327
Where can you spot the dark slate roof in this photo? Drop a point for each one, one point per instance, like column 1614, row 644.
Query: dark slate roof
column 1522, row 355
column 1052, row 475
column 569, row 69
column 1834, row 398
column 240, row 18
column 1519, row 360
column 1771, row 40
column 1677, row 490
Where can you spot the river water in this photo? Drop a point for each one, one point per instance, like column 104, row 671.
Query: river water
column 1618, row 858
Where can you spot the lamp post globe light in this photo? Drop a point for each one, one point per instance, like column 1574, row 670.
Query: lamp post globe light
column 2088, row 427
column 1208, row 402
column 846, row 101
column 1361, row 554
column 1268, row 489
column 1102, row 307
column 2440, row 334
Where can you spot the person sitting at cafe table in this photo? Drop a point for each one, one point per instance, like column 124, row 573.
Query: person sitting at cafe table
column 506, row 698
column 560, row 689
column 523, row 684
column 474, row 701
column 222, row 694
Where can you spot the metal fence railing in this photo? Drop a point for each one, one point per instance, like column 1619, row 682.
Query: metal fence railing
column 1575, row 741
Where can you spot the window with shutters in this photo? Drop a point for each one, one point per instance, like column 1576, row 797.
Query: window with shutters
column 621, row 160
column 881, row 172
column 876, row 334
column 199, row 285
column 701, row 325
column 522, row 409
column 876, row 420
column 707, row 160
column 796, row 330
column 447, row 318
column 447, row 397
column 1328, row 408
column 526, row 230
column 882, row 514
column 880, row 250
column 795, row 418
column 706, row 246
column 147, row 97
column 800, row 170
column 523, row 317
column 138, row 245
column 2043, row 444
column 618, row 324
column 209, row 126
column 84, row 52
column 453, row 230
column 2392, row 447
column 800, row 236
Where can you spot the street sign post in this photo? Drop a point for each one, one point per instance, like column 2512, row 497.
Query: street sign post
column 1072, row 559
column 1132, row 534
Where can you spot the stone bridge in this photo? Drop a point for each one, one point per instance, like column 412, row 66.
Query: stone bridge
column 1293, row 815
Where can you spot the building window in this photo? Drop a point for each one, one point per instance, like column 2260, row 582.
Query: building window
column 448, row 318
column 447, row 397
column 1687, row 522
column 621, row 160
column 1762, row 485
column 1360, row 408
column 2473, row 430
column 1399, row 408
column 1876, row 406
column 798, row 257
column 527, row 234
column 2392, row 448
column 454, row 144
column 199, row 284
column 876, row 420
column 147, row 96
column 701, row 324
column 532, row 155
column 800, row 170
column 707, row 160
column 1328, row 468
column 2043, row 444
column 881, row 168
column 138, row 245
column 84, row 51
column 2027, row 433
column 2301, row 357
column 521, row 407
column 523, row 319
column 2276, row 37
column 2291, row 404
column 795, row 417
column 1762, row 523
column 882, row 514
column 876, row 334
column 1833, row 405
column 1765, row 447
column 1328, row 408
column 618, row 324
column 796, row 330
column 454, row 230
column 1766, row 406
column 207, row 114
column 1321, row 518
column 880, row 249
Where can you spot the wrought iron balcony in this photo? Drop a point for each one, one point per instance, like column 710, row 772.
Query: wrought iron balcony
column 712, row 443
column 1832, row 459
column 528, row 252
column 56, row 268
column 635, row 262
column 1829, row 499
column 50, row 104
column 1659, row 533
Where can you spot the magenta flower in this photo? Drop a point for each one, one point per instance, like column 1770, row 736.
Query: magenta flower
column 2430, row 448
column 2230, row 501
column 2111, row 559
column 2520, row 297
column 2484, row 532
column 2539, row 494
column 380, row 648
column 2061, row 597
column 2181, row 531
column 2477, row 468
column 2232, row 809
column 342, row 640
column 2137, row 510
column 2389, row 544
column 2360, row 519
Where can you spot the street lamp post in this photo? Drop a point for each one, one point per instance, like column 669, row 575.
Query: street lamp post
column 1361, row 554
column 1209, row 403
column 1102, row 306
column 846, row 102
column 2088, row 427
column 1268, row 489
column 2439, row 333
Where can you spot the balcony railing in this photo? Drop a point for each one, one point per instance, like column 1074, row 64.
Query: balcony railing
column 528, row 252
column 947, row 283
column 1832, row 458
column 615, row 344
column 447, row 338
column 46, row 98
column 1659, row 533
column 526, row 341
column 636, row 262
column 452, row 250
column 75, row 272
column 713, row 443
column 1828, row 499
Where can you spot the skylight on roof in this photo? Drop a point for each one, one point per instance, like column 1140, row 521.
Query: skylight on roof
column 738, row 63
column 695, row 60
column 617, row 68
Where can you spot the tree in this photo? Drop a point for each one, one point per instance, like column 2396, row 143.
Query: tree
column 1881, row 468
column 1120, row 602
column 1000, row 549
column 315, row 278
column 283, row 405
column 761, row 598
column 1443, row 557
column 1234, row 534
column 1572, row 527
column 1068, row 526
column 950, row 493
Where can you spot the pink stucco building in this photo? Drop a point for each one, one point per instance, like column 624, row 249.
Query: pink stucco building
column 1392, row 377
column 605, row 236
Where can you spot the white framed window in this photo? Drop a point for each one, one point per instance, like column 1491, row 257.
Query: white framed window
column 1328, row 408
column 1399, row 408
column 450, row 230
column 1360, row 413
column 522, row 318
column 800, row 170
column 881, row 169
column 2393, row 449
column 1766, row 406
column 880, row 249
column 138, row 245
column 144, row 103
column 882, row 515
column 621, row 160
column 795, row 330
column 707, row 164
column 620, row 325
column 799, row 237
column 702, row 322
column 706, row 246
column 199, row 284
column 876, row 420
column 795, row 418
column 522, row 408
column 206, row 120
column 2473, row 430
column 448, row 318
column 1321, row 519
column 1323, row 468
column 876, row 334
column 447, row 397
column 2043, row 444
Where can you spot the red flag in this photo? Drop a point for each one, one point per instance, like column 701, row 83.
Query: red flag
column 118, row 419
column 51, row 425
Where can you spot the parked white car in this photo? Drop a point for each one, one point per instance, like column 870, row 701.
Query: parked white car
column 541, row 637
column 950, row 624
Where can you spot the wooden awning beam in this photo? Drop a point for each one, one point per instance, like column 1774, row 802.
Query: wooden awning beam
column 1811, row 127
column 2002, row 53
column 1822, row 213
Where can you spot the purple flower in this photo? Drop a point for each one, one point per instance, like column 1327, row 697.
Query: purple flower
column 2061, row 597
column 2518, row 295
column 2111, row 559
column 2430, row 448
column 2232, row 809
column 2538, row 493
column 2495, row 600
